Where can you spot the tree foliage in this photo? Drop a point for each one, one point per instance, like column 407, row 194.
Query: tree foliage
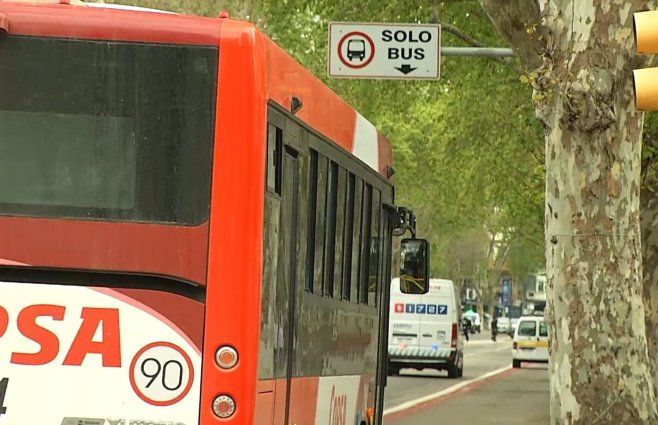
column 467, row 149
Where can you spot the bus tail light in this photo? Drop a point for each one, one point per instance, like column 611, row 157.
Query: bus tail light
column 4, row 26
column 223, row 406
column 515, row 345
column 453, row 339
column 226, row 357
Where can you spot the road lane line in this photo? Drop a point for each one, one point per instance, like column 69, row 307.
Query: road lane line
column 431, row 397
column 486, row 341
column 480, row 353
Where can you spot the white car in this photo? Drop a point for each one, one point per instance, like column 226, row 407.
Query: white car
column 504, row 326
column 530, row 341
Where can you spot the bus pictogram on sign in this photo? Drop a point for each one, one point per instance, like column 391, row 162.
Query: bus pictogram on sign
column 161, row 373
column 356, row 50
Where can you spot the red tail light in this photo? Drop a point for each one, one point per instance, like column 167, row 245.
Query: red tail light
column 453, row 341
column 515, row 345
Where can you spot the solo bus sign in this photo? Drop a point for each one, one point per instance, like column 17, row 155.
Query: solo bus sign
column 386, row 51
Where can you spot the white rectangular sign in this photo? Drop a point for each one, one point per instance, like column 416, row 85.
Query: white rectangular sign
column 386, row 51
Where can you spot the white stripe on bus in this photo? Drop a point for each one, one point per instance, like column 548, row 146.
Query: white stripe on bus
column 366, row 145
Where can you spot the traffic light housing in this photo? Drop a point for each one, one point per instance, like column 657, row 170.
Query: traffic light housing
column 646, row 41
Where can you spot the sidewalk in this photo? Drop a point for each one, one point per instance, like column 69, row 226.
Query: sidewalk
column 517, row 397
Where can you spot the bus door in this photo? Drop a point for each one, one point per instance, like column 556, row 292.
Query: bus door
column 287, row 268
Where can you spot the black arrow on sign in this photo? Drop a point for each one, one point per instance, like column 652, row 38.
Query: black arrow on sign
column 406, row 69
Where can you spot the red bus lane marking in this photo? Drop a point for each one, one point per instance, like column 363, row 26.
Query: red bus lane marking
column 161, row 373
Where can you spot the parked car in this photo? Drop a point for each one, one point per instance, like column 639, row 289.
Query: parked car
column 514, row 313
column 424, row 330
column 504, row 325
column 530, row 341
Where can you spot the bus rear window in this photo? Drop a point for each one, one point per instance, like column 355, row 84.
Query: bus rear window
column 106, row 131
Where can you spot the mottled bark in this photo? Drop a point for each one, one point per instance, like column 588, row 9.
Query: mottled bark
column 599, row 367
column 649, row 229
column 649, row 224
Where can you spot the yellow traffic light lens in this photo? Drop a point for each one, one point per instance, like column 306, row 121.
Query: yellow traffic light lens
column 646, row 89
column 646, row 31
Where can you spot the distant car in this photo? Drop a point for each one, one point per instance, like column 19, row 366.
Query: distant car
column 423, row 330
column 504, row 326
column 530, row 341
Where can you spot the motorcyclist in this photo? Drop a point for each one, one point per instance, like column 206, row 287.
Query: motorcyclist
column 466, row 327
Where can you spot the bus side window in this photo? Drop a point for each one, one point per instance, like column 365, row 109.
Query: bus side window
column 330, row 236
column 311, row 227
column 317, row 267
column 346, row 290
column 274, row 152
column 373, row 261
column 366, row 224
column 339, row 233
column 356, row 241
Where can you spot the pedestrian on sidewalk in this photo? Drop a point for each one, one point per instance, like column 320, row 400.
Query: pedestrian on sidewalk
column 494, row 328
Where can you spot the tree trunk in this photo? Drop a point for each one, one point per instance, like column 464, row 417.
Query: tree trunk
column 599, row 368
column 649, row 228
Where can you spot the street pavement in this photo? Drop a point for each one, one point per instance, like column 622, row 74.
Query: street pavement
column 511, row 396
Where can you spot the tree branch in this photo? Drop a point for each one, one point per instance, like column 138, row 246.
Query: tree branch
column 519, row 22
column 459, row 33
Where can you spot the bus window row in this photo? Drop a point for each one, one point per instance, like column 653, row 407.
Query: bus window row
column 344, row 230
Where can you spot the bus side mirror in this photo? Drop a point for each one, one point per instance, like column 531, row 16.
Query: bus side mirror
column 415, row 266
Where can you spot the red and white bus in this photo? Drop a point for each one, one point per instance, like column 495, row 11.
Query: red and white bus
column 193, row 229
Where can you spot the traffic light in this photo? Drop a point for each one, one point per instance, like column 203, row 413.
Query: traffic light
column 646, row 80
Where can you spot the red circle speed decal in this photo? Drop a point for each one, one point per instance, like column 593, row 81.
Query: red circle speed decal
column 161, row 373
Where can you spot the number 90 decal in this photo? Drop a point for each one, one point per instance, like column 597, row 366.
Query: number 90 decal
column 161, row 374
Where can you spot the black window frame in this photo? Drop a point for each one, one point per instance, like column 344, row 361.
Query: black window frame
column 274, row 158
column 348, row 236
column 330, row 229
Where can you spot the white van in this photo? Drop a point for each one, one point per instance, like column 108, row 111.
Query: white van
column 530, row 341
column 424, row 330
